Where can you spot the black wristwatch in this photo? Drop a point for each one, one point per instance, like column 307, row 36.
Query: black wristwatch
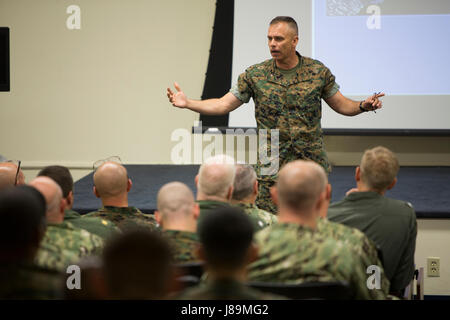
column 361, row 108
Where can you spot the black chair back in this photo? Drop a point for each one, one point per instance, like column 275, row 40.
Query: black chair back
column 307, row 290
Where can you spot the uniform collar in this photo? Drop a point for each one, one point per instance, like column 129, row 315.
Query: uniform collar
column 363, row 195
column 277, row 77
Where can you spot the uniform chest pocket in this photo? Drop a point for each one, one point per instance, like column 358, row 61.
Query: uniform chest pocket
column 270, row 101
column 305, row 99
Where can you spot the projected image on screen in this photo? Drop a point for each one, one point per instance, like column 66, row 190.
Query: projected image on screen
column 402, row 44
column 399, row 47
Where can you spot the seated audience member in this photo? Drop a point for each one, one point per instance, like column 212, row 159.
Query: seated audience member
column 100, row 227
column 245, row 191
column 215, row 186
column 390, row 223
column 226, row 247
column 293, row 250
column 138, row 265
column 63, row 244
column 22, row 216
column 358, row 242
column 177, row 215
column 9, row 176
column 111, row 185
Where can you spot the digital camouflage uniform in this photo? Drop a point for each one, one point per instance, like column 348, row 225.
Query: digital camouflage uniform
column 208, row 206
column 26, row 281
column 362, row 247
column 183, row 245
column 98, row 226
column 293, row 106
column 290, row 253
column 253, row 210
column 125, row 218
column 225, row 290
column 63, row 245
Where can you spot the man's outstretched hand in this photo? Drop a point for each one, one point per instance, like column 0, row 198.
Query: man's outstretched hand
column 373, row 103
column 177, row 99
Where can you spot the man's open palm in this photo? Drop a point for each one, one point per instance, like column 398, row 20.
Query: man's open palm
column 177, row 99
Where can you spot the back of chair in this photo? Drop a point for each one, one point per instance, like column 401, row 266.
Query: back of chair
column 190, row 269
column 308, row 290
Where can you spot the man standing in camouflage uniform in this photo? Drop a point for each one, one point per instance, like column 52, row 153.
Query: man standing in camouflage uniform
column 177, row 215
column 287, row 91
column 111, row 185
column 63, row 244
column 295, row 250
column 100, row 227
column 215, row 186
column 245, row 192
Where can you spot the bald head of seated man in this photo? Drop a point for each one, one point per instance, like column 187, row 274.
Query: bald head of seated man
column 53, row 197
column 111, row 184
column 300, row 193
column 8, row 172
column 177, row 215
column 215, row 179
column 177, row 209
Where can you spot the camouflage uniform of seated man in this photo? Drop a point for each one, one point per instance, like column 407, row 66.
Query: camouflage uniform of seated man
column 287, row 91
column 62, row 176
column 245, row 192
column 214, row 183
column 63, row 244
column 227, row 248
column 296, row 249
column 177, row 216
column 111, row 185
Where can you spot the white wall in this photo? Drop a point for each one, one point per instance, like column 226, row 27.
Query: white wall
column 82, row 95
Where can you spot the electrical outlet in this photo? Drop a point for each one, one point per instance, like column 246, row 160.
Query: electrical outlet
column 433, row 266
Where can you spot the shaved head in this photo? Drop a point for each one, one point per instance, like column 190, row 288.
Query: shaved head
column 300, row 184
column 111, row 180
column 53, row 196
column 173, row 199
column 216, row 176
column 8, row 172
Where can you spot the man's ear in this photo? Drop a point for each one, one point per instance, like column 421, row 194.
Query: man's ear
column 274, row 195
column 157, row 217
column 94, row 189
column 358, row 174
column 295, row 40
column 230, row 193
column 129, row 185
column 393, row 183
column 62, row 206
column 196, row 210
column 255, row 187
column 196, row 181
column 69, row 199
column 329, row 189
